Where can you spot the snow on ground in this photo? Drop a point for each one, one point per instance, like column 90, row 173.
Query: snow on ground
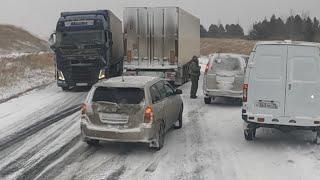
column 209, row 146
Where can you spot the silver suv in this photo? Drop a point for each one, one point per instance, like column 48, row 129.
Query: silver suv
column 131, row 109
column 224, row 76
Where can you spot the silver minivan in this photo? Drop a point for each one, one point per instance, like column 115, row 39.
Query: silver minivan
column 131, row 109
column 224, row 76
column 282, row 87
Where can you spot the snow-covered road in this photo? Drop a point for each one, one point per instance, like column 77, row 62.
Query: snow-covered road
column 209, row 146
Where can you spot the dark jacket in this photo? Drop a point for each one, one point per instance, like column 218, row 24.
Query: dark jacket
column 194, row 69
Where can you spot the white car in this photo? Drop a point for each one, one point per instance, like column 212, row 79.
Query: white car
column 282, row 87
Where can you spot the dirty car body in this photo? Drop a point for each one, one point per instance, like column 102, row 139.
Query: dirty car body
column 224, row 76
column 128, row 111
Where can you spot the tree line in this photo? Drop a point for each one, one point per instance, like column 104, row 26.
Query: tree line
column 295, row 27
column 229, row 30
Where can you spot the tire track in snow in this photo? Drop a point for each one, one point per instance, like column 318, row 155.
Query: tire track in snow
column 22, row 134
column 37, row 168
column 22, row 160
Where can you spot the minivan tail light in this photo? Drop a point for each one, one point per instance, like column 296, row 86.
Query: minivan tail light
column 245, row 93
column 83, row 108
column 148, row 114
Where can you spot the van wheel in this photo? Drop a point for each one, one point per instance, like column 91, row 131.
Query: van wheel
column 92, row 142
column 161, row 137
column 207, row 100
column 179, row 121
column 250, row 134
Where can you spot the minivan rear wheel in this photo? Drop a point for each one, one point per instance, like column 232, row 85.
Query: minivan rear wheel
column 161, row 137
column 92, row 142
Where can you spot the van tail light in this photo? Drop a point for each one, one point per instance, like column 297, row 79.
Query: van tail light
column 245, row 93
column 83, row 108
column 148, row 114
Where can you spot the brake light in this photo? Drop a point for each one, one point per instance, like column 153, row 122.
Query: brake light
column 83, row 108
column 245, row 93
column 148, row 114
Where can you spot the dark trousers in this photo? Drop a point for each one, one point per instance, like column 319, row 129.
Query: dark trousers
column 194, row 86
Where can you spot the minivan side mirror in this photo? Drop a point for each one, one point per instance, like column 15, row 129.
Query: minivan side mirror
column 178, row 91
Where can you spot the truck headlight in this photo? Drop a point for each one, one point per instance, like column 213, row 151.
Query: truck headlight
column 61, row 76
column 102, row 74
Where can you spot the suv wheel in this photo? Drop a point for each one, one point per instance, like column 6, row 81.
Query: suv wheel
column 178, row 124
column 92, row 142
column 249, row 134
column 207, row 100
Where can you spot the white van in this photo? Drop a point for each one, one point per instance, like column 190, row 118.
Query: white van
column 282, row 87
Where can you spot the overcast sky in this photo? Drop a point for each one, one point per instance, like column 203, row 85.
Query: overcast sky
column 40, row 16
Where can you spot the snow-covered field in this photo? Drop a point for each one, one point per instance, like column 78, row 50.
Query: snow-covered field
column 209, row 146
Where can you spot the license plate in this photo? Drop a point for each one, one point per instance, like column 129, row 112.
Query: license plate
column 81, row 84
column 113, row 118
column 267, row 104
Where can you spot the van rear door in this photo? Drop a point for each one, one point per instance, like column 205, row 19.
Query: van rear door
column 267, row 80
column 303, row 95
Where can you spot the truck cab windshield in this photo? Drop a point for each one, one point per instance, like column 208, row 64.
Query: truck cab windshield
column 80, row 37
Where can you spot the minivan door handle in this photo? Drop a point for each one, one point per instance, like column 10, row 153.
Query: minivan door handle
column 290, row 86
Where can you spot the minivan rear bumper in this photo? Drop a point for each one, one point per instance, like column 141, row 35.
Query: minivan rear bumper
column 140, row 134
column 223, row 93
column 264, row 120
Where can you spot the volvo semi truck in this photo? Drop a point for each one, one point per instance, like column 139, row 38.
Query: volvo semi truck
column 88, row 46
column 160, row 41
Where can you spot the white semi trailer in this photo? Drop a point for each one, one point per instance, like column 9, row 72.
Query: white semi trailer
column 160, row 41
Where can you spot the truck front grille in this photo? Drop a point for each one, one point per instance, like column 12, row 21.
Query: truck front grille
column 82, row 74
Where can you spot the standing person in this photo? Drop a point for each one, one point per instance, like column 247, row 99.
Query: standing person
column 194, row 71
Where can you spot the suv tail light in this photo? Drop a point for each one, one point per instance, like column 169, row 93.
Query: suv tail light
column 245, row 93
column 148, row 114
column 83, row 108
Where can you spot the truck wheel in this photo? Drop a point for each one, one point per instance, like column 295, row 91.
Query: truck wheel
column 207, row 100
column 249, row 134
column 65, row 88
column 179, row 121
column 92, row 142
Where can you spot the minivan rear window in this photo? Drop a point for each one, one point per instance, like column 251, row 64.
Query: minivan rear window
column 226, row 64
column 118, row 95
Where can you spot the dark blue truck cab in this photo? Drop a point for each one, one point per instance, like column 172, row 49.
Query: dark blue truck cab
column 88, row 46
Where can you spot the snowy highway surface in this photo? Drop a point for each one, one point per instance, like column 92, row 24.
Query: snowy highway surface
column 40, row 139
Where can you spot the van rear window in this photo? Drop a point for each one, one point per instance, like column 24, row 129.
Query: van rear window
column 118, row 95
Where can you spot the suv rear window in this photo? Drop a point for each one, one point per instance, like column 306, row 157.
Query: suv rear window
column 118, row 95
column 226, row 64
